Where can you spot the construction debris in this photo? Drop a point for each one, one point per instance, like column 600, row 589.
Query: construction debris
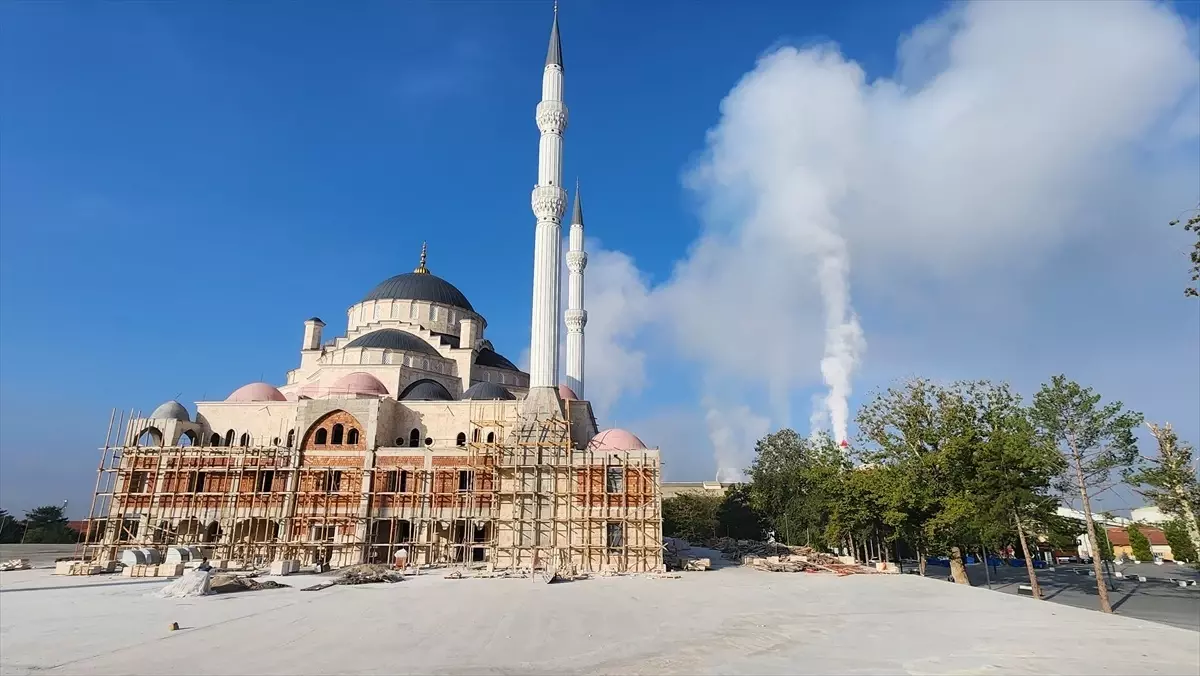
column 16, row 564
column 363, row 573
column 225, row 583
column 780, row 558
column 193, row 583
column 697, row 564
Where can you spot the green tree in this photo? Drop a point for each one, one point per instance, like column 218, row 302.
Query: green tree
column 925, row 435
column 1182, row 548
column 1169, row 481
column 48, row 525
column 735, row 516
column 1094, row 440
column 1013, row 469
column 793, row 482
column 10, row 528
column 691, row 516
column 1193, row 225
column 1139, row 543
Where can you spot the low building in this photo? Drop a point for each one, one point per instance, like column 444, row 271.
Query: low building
column 1119, row 538
column 671, row 489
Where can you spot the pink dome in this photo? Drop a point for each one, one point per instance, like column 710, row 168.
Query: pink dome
column 256, row 392
column 615, row 440
column 567, row 394
column 358, row 383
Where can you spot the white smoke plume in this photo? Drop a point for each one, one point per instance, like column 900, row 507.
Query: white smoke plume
column 1009, row 130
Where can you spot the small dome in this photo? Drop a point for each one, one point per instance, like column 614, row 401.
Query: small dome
column 567, row 394
column 171, row 410
column 426, row 390
column 615, row 440
column 358, row 383
column 486, row 391
column 394, row 339
column 256, row 392
column 492, row 358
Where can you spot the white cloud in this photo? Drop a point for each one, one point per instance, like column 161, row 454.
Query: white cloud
column 1008, row 130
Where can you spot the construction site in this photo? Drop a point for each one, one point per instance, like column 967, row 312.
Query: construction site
column 510, row 496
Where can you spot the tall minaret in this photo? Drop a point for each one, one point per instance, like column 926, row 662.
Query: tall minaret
column 576, row 317
column 549, row 203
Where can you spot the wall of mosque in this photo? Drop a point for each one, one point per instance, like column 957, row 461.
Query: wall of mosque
column 433, row 316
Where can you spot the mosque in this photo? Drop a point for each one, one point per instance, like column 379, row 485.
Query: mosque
column 409, row 435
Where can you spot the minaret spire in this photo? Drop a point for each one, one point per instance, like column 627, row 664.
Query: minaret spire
column 421, row 269
column 576, row 316
column 549, row 202
column 554, row 53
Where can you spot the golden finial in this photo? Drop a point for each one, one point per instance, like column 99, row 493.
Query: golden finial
column 421, row 269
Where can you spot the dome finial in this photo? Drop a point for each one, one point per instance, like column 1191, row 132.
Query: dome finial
column 421, row 269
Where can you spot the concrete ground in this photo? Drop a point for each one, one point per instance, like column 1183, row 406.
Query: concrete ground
column 40, row 556
column 728, row 621
column 1156, row 599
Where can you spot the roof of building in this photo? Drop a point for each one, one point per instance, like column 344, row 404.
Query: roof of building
column 566, row 394
column 615, row 440
column 492, row 358
column 256, row 392
column 554, row 52
column 359, row 382
column 426, row 390
column 487, row 391
column 394, row 339
column 170, row 410
column 1119, row 537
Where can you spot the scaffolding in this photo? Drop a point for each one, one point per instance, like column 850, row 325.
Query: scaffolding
column 515, row 494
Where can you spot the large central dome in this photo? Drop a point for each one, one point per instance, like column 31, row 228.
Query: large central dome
column 420, row 284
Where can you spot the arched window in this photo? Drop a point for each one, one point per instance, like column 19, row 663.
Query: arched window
column 352, row 437
column 214, row 440
column 188, row 438
column 491, row 437
column 229, row 437
column 338, row 431
column 414, row 438
column 291, row 438
column 245, row 440
column 461, row 440
column 475, row 435
column 321, row 437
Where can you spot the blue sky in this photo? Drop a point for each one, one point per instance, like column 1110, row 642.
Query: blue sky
column 184, row 183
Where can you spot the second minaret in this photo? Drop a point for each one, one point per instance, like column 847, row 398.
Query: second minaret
column 576, row 316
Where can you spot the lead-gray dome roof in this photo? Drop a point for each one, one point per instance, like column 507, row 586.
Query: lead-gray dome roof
column 426, row 390
column 420, row 286
column 394, row 339
column 171, row 410
column 486, row 391
column 492, row 358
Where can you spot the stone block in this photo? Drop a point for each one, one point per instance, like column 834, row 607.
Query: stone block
column 169, row 570
column 283, row 567
column 64, row 567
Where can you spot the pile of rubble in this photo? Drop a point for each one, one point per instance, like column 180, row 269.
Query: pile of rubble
column 364, row 573
column 780, row 558
column 15, row 564
column 225, row 583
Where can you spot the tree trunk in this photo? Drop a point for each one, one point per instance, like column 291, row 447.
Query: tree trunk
column 957, row 570
column 1033, row 580
column 920, row 562
column 1094, row 543
column 853, row 550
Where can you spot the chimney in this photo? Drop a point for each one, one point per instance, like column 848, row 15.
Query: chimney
column 312, row 334
column 468, row 333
